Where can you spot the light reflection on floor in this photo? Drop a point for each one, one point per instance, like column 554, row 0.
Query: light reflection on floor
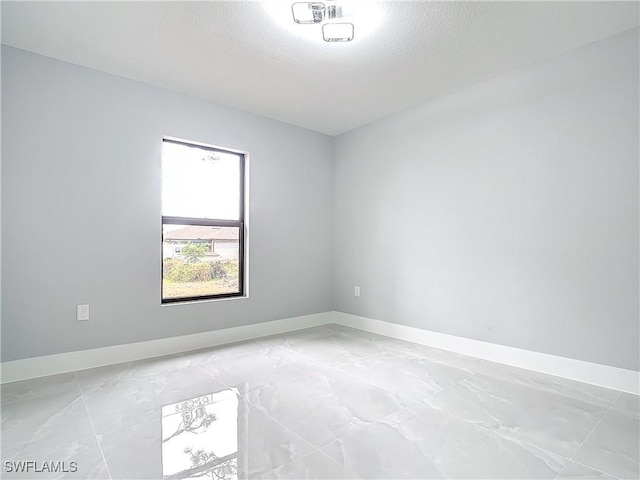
column 200, row 437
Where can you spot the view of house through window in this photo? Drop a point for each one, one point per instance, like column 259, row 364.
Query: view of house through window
column 202, row 222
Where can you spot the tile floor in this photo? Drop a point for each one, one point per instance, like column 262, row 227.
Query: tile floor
column 327, row 402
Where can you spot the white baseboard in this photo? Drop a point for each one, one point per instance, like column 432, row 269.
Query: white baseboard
column 593, row 373
column 98, row 357
column 581, row 371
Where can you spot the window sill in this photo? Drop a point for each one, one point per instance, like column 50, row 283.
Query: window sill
column 204, row 300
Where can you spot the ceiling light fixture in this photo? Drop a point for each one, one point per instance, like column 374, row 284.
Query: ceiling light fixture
column 306, row 13
column 337, row 32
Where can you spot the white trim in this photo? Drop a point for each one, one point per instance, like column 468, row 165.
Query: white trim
column 581, row 371
column 593, row 373
column 67, row 362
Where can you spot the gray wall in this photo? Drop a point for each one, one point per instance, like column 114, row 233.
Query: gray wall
column 507, row 212
column 81, row 210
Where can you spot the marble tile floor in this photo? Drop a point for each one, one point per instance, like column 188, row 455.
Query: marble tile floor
column 326, row 402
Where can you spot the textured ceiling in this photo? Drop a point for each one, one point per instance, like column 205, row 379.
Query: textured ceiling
column 252, row 56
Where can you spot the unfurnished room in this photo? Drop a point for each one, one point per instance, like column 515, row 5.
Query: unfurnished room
column 338, row 239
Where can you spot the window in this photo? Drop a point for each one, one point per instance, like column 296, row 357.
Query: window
column 203, row 229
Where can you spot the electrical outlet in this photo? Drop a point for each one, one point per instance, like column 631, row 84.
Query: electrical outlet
column 356, row 291
column 82, row 313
